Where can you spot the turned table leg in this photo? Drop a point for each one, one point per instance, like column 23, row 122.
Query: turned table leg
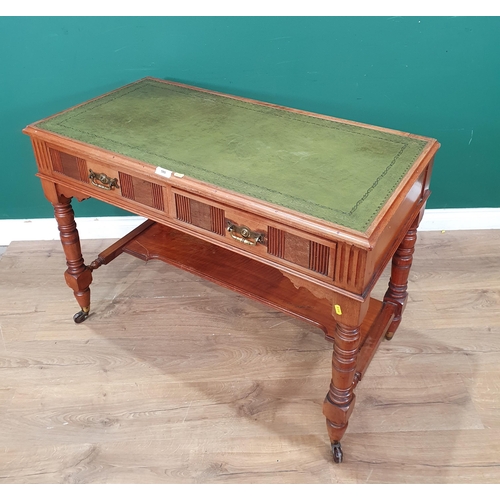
column 78, row 276
column 339, row 402
column 398, row 284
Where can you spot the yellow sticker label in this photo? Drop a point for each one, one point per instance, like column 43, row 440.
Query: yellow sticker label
column 338, row 310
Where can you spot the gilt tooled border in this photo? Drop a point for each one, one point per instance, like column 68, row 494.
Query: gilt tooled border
column 281, row 113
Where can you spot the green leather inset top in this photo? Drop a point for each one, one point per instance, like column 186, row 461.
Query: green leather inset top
column 337, row 172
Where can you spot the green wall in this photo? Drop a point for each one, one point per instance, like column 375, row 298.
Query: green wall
column 433, row 76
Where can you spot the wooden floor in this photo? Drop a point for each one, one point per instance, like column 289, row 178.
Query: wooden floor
column 175, row 380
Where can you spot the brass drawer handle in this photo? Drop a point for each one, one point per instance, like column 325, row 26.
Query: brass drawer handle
column 244, row 235
column 103, row 181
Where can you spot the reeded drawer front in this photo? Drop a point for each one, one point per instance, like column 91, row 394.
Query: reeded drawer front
column 199, row 214
column 102, row 177
column 257, row 235
column 285, row 244
column 240, row 229
column 69, row 165
column 142, row 191
column 107, row 179
column 299, row 250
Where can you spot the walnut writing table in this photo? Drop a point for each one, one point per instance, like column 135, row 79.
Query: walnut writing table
column 298, row 210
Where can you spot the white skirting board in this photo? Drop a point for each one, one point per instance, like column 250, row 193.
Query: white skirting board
column 446, row 219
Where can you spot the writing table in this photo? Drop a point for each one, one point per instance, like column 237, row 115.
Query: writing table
column 297, row 210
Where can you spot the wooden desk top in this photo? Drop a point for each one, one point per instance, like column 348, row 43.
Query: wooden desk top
column 338, row 171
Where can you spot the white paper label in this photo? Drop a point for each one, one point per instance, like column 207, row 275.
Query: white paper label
column 163, row 172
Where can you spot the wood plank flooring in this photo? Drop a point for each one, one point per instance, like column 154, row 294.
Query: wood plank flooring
column 175, row 380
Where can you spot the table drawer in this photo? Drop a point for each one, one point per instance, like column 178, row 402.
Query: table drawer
column 101, row 177
column 106, row 180
column 256, row 235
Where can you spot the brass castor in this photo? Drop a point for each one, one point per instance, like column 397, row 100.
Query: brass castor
column 338, row 455
column 80, row 316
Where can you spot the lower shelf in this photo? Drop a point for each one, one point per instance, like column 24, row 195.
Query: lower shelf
column 248, row 277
